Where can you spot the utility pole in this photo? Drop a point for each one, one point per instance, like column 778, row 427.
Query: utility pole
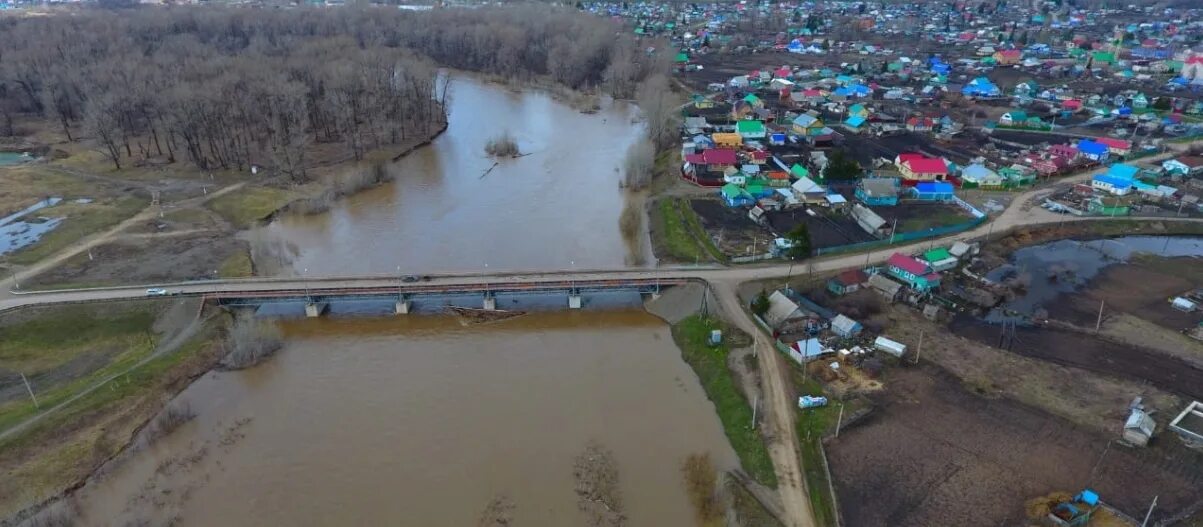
column 30, row 389
column 919, row 348
column 1150, row 513
column 1099, row 323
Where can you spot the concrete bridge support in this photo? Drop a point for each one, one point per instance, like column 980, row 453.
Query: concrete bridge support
column 574, row 300
column 403, row 306
column 490, row 303
column 315, row 309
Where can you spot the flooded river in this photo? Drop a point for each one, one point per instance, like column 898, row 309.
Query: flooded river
column 557, row 207
column 423, row 421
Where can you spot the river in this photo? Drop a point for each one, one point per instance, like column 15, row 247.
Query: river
column 557, row 207
column 423, row 421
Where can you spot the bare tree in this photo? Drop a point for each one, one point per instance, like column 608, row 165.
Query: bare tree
column 639, row 165
column 661, row 110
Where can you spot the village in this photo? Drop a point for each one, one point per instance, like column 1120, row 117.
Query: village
column 855, row 128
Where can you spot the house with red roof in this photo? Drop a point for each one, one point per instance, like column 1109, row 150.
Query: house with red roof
column 1115, row 146
column 1071, row 105
column 719, row 157
column 847, row 282
column 1069, row 152
column 920, row 124
column 1007, row 57
column 913, row 272
column 918, row 167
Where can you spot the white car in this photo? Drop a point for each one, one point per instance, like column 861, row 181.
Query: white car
column 156, row 291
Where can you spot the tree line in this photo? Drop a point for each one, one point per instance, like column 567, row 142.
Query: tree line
column 226, row 88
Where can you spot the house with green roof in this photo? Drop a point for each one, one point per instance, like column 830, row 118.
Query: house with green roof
column 1103, row 57
column 939, row 259
column 750, row 129
column 753, row 100
column 799, row 171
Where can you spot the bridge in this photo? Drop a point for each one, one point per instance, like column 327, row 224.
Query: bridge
column 316, row 299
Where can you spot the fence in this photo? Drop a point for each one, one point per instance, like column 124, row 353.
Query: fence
column 934, row 232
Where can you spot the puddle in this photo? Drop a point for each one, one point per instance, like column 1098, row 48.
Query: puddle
column 14, row 158
column 1064, row 266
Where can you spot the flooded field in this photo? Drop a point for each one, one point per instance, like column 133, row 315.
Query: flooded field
column 1123, row 287
column 21, row 229
column 423, row 421
column 451, row 209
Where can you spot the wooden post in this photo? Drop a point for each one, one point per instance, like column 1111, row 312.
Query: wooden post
column 755, row 406
column 1150, row 513
column 1099, row 323
column 839, row 421
column 919, row 348
column 30, row 389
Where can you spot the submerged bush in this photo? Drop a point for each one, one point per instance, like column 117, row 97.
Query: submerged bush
column 250, row 342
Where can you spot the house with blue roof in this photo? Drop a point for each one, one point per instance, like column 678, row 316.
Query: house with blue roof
column 854, row 124
column 1118, row 180
column 980, row 87
column 933, row 191
column 1093, row 150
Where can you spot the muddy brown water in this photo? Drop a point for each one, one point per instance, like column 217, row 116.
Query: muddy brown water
column 448, row 210
column 424, row 421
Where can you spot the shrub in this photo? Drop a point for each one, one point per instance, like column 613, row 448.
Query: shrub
column 503, row 145
column 250, row 342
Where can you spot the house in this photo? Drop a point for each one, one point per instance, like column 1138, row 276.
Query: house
column 750, row 129
column 735, row 196
column 854, row 124
column 869, row 220
column 858, row 110
column 847, row 282
column 1118, row 180
column 845, row 327
column 939, row 259
column 799, row 171
column 1115, row 146
column 753, row 100
column 727, row 140
column 918, row 167
column 808, row 191
column 885, row 287
column 877, row 191
column 777, row 138
column 1007, row 57
column 980, row 87
column 718, row 159
column 777, row 178
column 933, row 191
column 978, row 176
column 1013, row 118
column 1184, row 166
column 781, row 309
column 920, row 124
column 807, row 124
column 1069, row 152
column 1139, row 427
column 804, row 351
column 961, row 250
column 1093, row 150
column 913, row 272
column 1071, row 105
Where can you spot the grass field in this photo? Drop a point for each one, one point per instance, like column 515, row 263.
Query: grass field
column 66, row 445
column 238, row 265
column 812, row 425
column 710, row 365
column 251, row 204
column 678, row 233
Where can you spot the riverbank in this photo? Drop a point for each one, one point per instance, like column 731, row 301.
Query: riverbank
column 99, row 372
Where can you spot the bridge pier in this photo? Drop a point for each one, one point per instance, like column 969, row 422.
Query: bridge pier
column 315, row 309
column 490, row 303
column 574, row 300
column 403, row 306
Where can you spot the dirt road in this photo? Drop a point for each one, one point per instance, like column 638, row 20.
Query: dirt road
column 779, row 413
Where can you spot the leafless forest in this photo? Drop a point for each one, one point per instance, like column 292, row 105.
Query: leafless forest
column 229, row 87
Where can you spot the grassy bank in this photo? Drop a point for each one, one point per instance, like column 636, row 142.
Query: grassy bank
column 65, row 351
column 678, row 235
column 811, row 426
column 251, row 204
column 710, row 365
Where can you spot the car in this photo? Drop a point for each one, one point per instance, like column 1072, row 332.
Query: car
column 156, row 291
column 411, row 278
